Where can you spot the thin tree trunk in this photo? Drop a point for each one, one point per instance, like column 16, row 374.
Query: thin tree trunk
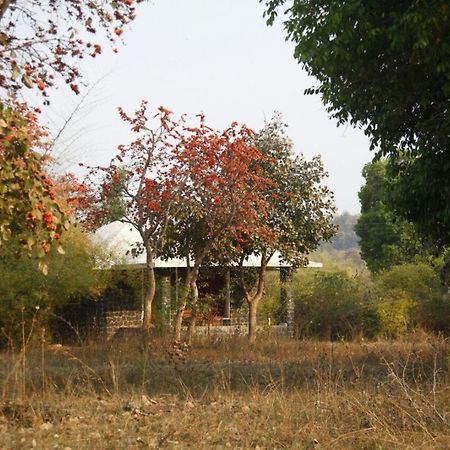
column 179, row 317
column 253, row 300
column 191, row 288
column 150, row 291
column 191, row 283
column 252, row 309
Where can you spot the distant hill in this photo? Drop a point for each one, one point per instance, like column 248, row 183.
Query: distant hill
column 346, row 238
column 343, row 250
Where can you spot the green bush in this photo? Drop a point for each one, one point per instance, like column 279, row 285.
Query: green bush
column 394, row 315
column 410, row 297
column 419, row 281
column 28, row 296
column 435, row 314
column 333, row 305
column 270, row 307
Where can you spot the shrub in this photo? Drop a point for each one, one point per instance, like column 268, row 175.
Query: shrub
column 271, row 307
column 411, row 297
column 333, row 305
column 394, row 315
column 24, row 289
column 419, row 281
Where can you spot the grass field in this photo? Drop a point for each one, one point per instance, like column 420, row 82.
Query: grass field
column 223, row 394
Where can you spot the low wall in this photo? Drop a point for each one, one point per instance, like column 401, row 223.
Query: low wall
column 241, row 330
column 121, row 319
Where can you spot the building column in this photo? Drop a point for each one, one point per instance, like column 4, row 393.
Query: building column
column 165, row 298
column 287, row 299
column 227, row 309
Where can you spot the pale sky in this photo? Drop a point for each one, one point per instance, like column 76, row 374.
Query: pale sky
column 215, row 56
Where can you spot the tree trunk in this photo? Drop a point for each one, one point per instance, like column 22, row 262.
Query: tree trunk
column 150, row 291
column 179, row 318
column 253, row 300
column 252, row 309
column 191, row 289
column 227, row 312
column 190, row 285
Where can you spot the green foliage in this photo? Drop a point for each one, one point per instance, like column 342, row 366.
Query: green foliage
column 435, row 314
column 124, row 289
column 385, row 239
column 25, row 289
column 333, row 305
column 394, row 315
column 301, row 209
column 419, row 281
column 411, row 297
column 114, row 203
column 384, row 66
column 271, row 306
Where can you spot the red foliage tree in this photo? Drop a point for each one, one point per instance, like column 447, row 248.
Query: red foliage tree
column 138, row 188
column 29, row 207
column 223, row 196
column 202, row 185
column 40, row 41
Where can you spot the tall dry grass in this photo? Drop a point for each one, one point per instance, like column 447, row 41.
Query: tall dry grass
column 278, row 393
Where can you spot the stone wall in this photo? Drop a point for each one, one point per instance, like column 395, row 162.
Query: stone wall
column 121, row 319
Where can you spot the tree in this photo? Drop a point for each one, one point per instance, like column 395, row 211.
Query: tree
column 385, row 238
column 30, row 212
column 40, row 42
column 223, row 196
column 385, row 67
column 299, row 213
column 138, row 188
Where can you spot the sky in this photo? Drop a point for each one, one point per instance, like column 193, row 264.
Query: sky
column 213, row 56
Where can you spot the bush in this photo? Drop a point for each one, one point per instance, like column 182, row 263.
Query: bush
column 28, row 296
column 333, row 305
column 418, row 281
column 394, row 315
column 271, row 307
column 411, row 297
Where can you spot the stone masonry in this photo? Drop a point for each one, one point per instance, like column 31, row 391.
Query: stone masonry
column 121, row 319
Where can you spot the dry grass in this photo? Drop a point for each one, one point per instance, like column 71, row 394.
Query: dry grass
column 221, row 394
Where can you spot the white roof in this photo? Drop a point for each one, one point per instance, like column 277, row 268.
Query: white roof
column 120, row 238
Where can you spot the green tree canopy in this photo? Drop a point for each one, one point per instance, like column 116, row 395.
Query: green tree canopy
column 385, row 66
column 299, row 215
column 385, row 239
